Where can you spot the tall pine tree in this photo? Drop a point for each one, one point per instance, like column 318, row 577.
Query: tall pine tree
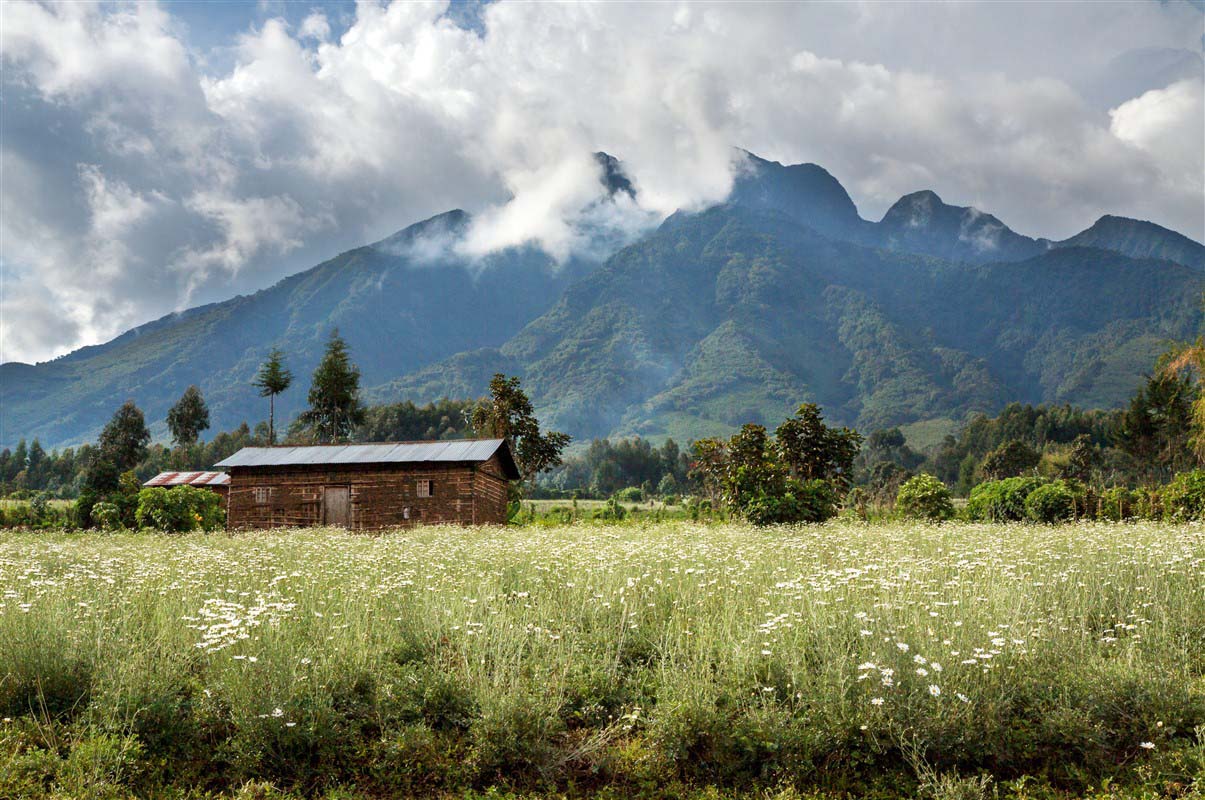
column 334, row 397
column 273, row 378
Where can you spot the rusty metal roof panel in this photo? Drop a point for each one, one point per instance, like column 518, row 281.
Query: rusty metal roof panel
column 189, row 479
column 458, row 450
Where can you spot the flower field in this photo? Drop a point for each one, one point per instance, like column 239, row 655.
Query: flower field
column 668, row 660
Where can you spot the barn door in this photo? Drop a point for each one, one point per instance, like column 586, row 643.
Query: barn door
column 336, row 505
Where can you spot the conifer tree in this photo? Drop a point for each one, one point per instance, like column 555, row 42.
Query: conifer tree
column 273, row 378
column 334, row 397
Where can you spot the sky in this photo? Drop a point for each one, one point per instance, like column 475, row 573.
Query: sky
column 157, row 156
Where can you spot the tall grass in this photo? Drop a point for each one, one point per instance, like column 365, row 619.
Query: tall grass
column 625, row 659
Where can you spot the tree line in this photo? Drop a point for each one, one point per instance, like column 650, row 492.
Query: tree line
column 110, row 472
column 1157, row 436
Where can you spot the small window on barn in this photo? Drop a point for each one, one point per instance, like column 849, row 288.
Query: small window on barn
column 263, row 495
column 426, row 488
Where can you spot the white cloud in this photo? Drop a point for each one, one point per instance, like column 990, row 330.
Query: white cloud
column 1168, row 125
column 202, row 181
column 315, row 26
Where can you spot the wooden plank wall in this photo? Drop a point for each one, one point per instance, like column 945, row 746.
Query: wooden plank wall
column 490, row 494
column 379, row 495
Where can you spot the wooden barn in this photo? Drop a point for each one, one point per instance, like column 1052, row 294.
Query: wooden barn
column 214, row 481
column 370, row 485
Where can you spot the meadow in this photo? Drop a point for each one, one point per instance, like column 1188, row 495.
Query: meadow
column 669, row 660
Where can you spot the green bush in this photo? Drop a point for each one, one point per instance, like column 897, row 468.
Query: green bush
column 924, row 497
column 1050, row 503
column 1001, row 501
column 1184, row 497
column 179, row 509
column 1119, row 503
column 803, row 501
column 39, row 509
column 632, row 494
column 668, row 487
column 106, row 516
column 613, row 511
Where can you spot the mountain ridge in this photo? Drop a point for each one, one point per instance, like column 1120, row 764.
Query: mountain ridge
column 419, row 317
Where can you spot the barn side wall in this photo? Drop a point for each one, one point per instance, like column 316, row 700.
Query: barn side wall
column 490, row 494
column 379, row 496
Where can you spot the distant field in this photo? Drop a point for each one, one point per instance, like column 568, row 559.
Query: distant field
column 543, row 506
column 7, row 503
column 675, row 660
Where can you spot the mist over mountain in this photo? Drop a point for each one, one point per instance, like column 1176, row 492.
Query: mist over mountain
column 711, row 319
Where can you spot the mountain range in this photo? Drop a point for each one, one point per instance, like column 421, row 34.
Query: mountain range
column 713, row 318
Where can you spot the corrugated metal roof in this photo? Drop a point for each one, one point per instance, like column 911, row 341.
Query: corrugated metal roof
column 457, row 450
column 189, row 479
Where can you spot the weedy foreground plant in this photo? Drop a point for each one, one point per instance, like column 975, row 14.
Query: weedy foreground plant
column 673, row 660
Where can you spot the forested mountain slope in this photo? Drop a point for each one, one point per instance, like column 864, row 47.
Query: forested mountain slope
column 397, row 309
column 739, row 312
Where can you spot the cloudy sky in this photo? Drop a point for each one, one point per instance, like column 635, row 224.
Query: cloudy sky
column 158, row 156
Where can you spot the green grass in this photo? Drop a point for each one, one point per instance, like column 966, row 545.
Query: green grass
column 670, row 660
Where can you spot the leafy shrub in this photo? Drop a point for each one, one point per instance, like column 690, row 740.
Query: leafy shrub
column 613, row 511
column 179, row 509
column 924, row 497
column 1184, row 497
column 803, row 501
column 106, row 516
column 1001, row 501
column 1119, row 503
column 1150, row 504
column 1052, row 502
column 82, row 512
column 632, row 494
column 513, row 738
column 39, row 508
column 18, row 516
column 668, row 486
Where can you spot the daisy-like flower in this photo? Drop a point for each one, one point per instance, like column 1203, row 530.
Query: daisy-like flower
column 876, row 701
column 1147, row 745
column 934, row 690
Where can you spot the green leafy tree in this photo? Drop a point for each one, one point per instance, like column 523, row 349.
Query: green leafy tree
column 334, row 397
column 123, row 442
column 273, row 378
column 1009, row 460
column 813, row 451
column 188, row 417
column 751, row 474
column 17, row 462
column 1189, row 361
column 508, row 414
column 35, row 464
column 1083, row 459
column 1156, row 428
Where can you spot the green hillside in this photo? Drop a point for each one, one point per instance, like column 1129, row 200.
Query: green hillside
column 398, row 312
column 736, row 313
column 1140, row 239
